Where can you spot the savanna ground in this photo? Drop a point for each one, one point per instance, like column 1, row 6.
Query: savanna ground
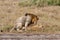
column 49, row 16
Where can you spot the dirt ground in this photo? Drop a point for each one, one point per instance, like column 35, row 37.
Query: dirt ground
column 29, row 37
column 49, row 16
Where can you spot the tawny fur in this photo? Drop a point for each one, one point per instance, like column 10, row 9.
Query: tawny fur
column 25, row 21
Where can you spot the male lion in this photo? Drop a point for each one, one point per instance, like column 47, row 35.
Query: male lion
column 34, row 18
column 24, row 21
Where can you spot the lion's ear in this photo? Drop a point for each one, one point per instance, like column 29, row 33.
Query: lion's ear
column 26, row 14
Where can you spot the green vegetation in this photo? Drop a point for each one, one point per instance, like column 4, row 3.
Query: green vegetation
column 40, row 3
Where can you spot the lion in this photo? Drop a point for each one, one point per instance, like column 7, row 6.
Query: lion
column 24, row 21
column 30, row 19
column 34, row 18
column 18, row 24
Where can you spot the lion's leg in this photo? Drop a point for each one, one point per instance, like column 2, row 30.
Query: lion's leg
column 19, row 26
column 26, row 25
column 12, row 29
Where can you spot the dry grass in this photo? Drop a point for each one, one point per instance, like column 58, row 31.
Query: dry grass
column 49, row 17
